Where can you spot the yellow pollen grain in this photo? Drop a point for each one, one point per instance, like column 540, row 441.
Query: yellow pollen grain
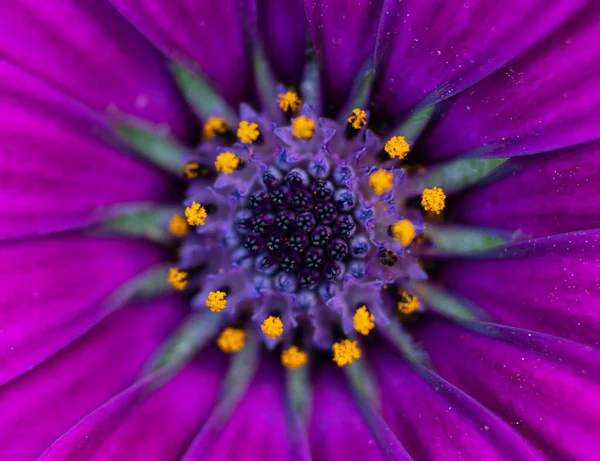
column 226, row 162
column 213, row 127
column 397, row 147
column 293, row 357
column 404, row 231
column 364, row 321
column 289, row 101
column 272, row 327
column 358, row 118
column 381, row 181
column 195, row 214
column 231, row 340
column 248, row 132
column 177, row 278
column 190, row 170
column 433, row 200
column 345, row 352
column 303, row 127
column 408, row 303
column 216, row 301
column 178, row 226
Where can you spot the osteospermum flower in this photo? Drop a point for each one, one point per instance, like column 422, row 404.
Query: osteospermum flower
column 219, row 244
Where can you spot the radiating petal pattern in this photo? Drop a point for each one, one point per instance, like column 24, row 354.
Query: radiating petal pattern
column 87, row 50
column 429, row 50
column 548, row 284
column 203, row 33
column 545, row 387
column 343, row 33
column 41, row 405
column 538, row 195
column 532, row 105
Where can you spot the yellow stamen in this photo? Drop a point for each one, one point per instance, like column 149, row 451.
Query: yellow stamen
column 248, row 132
column 226, row 162
column 363, row 320
column 178, row 226
column 190, row 170
column 433, row 200
column 404, row 231
column 397, row 147
column 272, row 327
column 381, row 181
column 357, row 119
column 293, row 357
column 213, row 127
column 303, row 127
column 177, row 278
column 345, row 352
column 289, row 101
column 408, row 303
column 195, row 214
column 216, row 301
column 231, row 340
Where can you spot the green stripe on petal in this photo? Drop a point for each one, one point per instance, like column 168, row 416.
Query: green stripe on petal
column 459, row 239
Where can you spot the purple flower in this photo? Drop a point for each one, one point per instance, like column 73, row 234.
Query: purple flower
column 347, row 276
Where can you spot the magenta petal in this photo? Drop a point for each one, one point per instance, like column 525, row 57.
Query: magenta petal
column 132, row 425
column 429, row 50
column 41, row 405
column 434, row 420
column 53, row 288
column 87, row 50
column 538, row 195
column 343, row 33
column 208, row 33
column 55, row 168
column 547, row 284
column 546, row 388
column 282, row 28
column 534, row 105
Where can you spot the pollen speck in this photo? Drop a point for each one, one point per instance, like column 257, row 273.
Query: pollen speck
column 231, row 340
column 363, row 320
column 288, row 101
column 248, row 132
column 178, row 226
column 303, row 127
column 216, row 301
column 345, row 352
column 433, row 200
column 272, row 327
column 358, row 119
column 226, row 162
column 408, row 303
column 195, row 214
column 381, row 181
column 293, row 357
column 397, row 147
column 404, row 231
column 190, row 170
column 177, row 278
column 213, row 127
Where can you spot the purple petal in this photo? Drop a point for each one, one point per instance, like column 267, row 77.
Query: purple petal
column 41, row 405
column 539, row 195
column 53, row 288
column 55, row 170
column 343, row 33
column 131, row 426
column 534, row 105
column 337, row 430
column 548, row 284
column 87, row 50
column 546, row 388
column 430, row 50
column 434, row 420
column 201, row 33
column 282, row 28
